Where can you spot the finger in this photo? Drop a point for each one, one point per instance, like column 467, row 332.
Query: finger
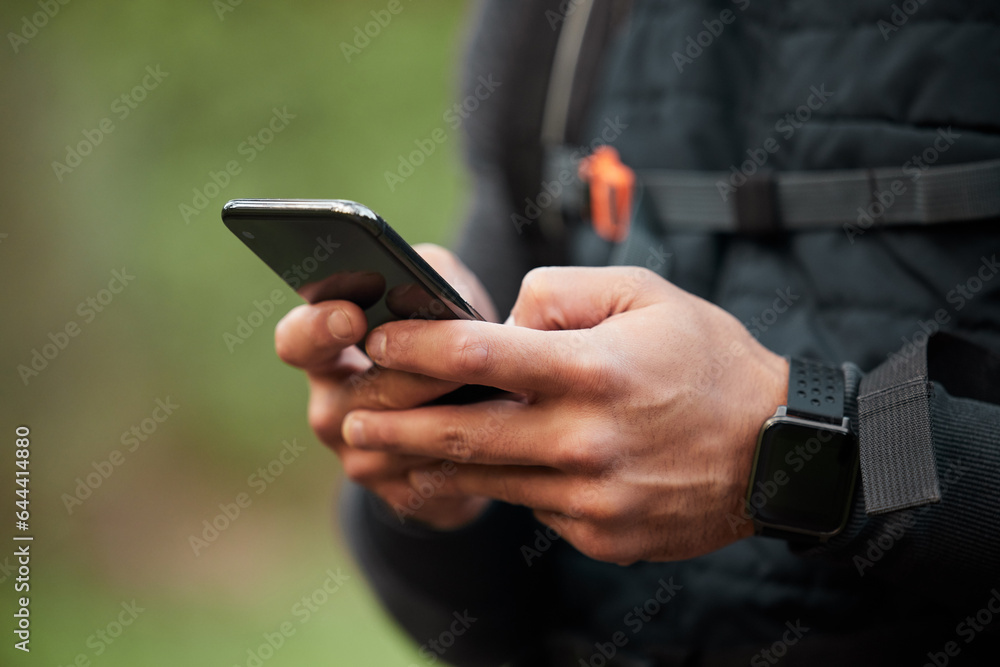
column 345, row 387
column 514, row 359
column 459, row 433
column 363, row 288
column 451, row 513
column 371, row 468
column 532, row 486
column 499, row 432
column 311, row 335
column 406, row 503
column 563, row 298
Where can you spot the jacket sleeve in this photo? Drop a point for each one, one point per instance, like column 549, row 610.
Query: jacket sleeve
column 460, row 594
column 928, row 510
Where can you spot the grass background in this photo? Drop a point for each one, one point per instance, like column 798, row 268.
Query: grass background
column 163, row 335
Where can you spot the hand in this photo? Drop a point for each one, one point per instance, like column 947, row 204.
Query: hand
column 636, row 432
column 320, row 339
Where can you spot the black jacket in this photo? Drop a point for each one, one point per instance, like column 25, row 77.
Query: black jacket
column 892, row 584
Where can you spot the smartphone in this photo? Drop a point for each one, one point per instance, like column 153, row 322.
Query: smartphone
column 331, row 249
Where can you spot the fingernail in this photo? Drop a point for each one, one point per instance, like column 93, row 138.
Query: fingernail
column 339, row 325
column 355, row 432
column 376, row 346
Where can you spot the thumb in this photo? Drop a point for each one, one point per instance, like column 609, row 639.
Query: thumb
column 564, row 298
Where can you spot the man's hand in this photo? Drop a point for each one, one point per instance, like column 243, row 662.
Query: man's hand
column 320, row 339
column 636, row 432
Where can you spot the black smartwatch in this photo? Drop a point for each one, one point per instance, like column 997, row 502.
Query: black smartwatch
column 806, row 465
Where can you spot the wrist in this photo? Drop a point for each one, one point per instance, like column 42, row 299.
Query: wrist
column 767, row 391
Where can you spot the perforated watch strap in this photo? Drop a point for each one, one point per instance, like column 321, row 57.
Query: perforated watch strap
column 815, row 390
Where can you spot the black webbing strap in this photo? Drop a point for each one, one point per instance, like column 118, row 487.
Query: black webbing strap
column 756, row 206
column 855, row 199
column 894, row 435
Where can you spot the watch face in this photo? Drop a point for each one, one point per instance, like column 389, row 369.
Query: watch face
column 804, row 477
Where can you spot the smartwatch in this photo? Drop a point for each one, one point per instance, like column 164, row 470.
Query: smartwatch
column 806, row 465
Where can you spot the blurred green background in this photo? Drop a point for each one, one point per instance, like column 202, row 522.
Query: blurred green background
column 224, row 67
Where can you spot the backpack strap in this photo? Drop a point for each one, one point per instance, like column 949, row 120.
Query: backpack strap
column 587, row 30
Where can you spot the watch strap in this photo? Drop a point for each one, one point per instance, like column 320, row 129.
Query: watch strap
column 815, row 390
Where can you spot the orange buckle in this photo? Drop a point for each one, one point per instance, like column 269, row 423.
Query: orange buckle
column 611, row 186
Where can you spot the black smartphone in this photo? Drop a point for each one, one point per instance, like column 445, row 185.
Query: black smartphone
column 331, row 249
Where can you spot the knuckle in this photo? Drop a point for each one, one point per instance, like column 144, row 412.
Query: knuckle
column 595, row 372
column 399, row 345
column 582, row 453
column 472, row 355
column 538, row 281
column 634, row 279
column 455, row 439
column 375, row 392
column 593, row 505
column 396, row 495
column 533, row 299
